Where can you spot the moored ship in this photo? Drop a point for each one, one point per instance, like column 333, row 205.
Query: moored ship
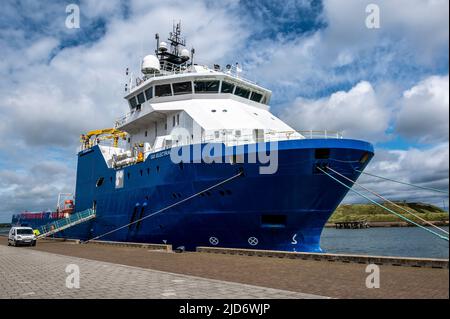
column 200, row 161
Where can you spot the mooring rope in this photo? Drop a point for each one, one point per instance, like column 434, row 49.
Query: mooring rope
column 168, row 207
column 387, row 200
column 385, row 208
column 404, row 183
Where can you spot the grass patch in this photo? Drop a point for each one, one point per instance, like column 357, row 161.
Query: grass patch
column 374, row 213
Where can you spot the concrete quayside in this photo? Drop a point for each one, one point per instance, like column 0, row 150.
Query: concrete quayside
column 263, row 274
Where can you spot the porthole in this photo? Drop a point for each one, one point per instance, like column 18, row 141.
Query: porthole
column 222, row 193
column 214, row 111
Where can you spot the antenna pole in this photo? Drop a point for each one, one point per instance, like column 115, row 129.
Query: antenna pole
column 157, row 43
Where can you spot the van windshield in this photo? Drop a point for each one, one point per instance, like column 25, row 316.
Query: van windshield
column 27, row 231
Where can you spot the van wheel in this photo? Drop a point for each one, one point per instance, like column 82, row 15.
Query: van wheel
column 9, row 244
column 33, row 243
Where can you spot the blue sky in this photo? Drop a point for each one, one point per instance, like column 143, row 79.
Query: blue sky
column 326, row 69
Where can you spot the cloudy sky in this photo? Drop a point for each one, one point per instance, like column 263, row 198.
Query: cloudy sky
column 327, row 70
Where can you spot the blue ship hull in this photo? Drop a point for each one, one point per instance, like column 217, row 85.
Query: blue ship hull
column 282, row 211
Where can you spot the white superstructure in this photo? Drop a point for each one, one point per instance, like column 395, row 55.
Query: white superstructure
column 178, row 102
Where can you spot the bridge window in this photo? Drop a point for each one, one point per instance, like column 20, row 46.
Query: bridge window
column 133, row 102
column 241, row 92
column 256, row 97
column 227, row 87
column 163, row 90
column 206, row 86
column 141, row 98
column 149, row 93
column 182, row 88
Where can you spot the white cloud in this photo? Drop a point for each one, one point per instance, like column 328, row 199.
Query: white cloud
column 82, row 87
column 36, row 187
column 46, row 104
column 357, row 113
column 428, row 167
column 415, row 25
column 413, row 36
column 424, row 111
column 40, row 50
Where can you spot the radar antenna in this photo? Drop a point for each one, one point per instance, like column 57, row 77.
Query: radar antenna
column 177, row 54
column 176, row 39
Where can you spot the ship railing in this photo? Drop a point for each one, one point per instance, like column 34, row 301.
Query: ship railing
column 327, row 134
column 70, row 220
column 168, row 68
column 235, row 137
column 109, row 142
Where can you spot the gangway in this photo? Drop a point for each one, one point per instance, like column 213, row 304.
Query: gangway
column 64, row 223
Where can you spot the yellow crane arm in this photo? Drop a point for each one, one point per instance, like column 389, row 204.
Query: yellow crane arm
column 103, row 134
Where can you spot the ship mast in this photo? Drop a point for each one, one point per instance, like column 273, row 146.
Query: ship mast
column 177, row 55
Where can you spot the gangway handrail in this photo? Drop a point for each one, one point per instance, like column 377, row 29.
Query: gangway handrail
column 62, row 224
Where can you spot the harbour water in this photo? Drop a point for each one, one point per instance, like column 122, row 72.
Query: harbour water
column 385, row 241
column 4, row 230
column 388, row 241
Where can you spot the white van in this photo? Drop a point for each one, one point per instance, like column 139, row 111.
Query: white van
column 21, row 236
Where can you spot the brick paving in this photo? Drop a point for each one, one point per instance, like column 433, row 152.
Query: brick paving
column 27, row 273
column 333, row 279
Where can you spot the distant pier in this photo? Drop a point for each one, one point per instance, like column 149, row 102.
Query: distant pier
column 351, row 225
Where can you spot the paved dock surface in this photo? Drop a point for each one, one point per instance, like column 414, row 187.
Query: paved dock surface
column 332, row 279
column 26, row 273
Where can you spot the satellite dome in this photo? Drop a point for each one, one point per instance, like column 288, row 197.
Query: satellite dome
column 163, row 46
column 185, row 53
column 150, row 64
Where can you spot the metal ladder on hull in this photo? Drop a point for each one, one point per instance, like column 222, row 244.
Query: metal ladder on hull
column 61, row 224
